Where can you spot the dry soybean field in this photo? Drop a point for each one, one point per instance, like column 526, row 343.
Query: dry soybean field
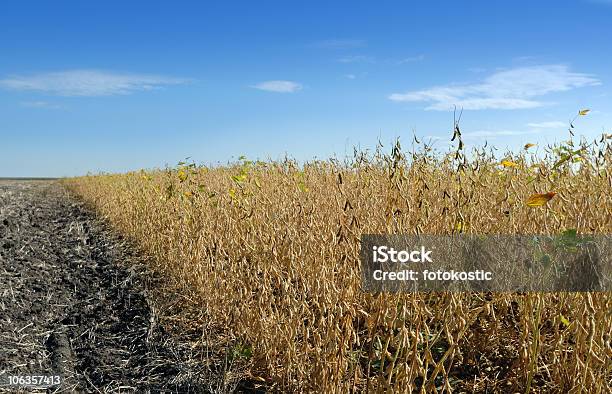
column 265, row 255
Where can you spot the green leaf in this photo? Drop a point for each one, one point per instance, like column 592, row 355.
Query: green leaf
column 242, row 351
column 570, row 233
column 562, row 160
column 568, row 239
column 239, row 178
column 545, row 260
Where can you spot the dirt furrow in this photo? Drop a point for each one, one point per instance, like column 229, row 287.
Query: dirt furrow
column 70, row 305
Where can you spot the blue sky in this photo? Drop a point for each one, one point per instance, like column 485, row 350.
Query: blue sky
column 115, row 86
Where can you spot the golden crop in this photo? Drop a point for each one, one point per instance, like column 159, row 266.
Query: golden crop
column 270, row 252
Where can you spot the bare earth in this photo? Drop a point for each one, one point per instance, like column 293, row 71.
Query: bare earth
column 69, row 305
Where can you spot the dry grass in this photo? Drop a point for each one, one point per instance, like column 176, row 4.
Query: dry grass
column 271, row 252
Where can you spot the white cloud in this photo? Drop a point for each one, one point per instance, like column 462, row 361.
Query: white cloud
column 495, row 133
column 356, row 59
column 514, row 88
column 371, row 59
column 278, row 86
column 87, row 83
column 352, row 76
column 548, row 125
column 411, row 59
column 340, row 43
column 40, row 104
column 535, row 128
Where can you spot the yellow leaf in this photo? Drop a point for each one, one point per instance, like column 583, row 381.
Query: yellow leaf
column 182, row 175
column 527, row 146
column 564, row 320
column 188, row 194
column 583, row 112
column 459, row 226
column 508, row 163
column 538, row 200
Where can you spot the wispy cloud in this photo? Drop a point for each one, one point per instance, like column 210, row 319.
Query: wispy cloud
column 384, row 61
column 532, row 128
column 548, row 125
column 360, row 75
column 481, row 134
column 40, row 104
column 356, row 59
column 339, row 43
column 496, row 133
column 87, row 83
column 515, row 88
column 278, row 86
column 411, row 59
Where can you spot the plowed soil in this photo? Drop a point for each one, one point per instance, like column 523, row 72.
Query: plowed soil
column 74, row 301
